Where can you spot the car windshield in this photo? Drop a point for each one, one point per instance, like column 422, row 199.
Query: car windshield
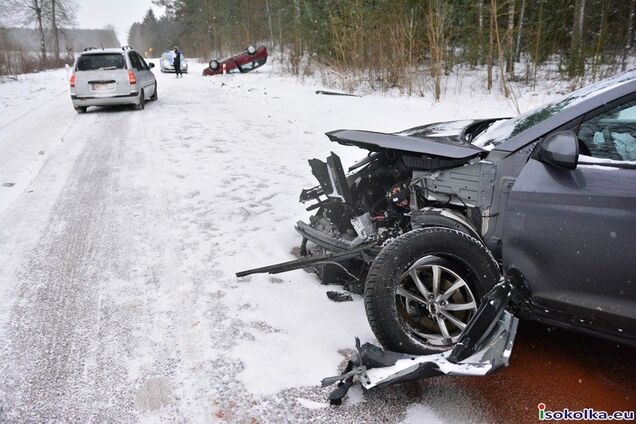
column 101, row 61
column 170, row 56
column 500, row 131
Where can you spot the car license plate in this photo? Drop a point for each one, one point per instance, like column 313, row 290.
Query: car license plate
column 102, row 86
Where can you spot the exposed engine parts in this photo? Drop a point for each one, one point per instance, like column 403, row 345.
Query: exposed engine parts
column 403, row 184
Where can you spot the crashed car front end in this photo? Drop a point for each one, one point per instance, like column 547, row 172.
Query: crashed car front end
column 410, row 179
column 421, row 179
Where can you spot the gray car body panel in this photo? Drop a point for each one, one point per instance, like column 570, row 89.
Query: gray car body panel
column 563, row 233
column 445, row 147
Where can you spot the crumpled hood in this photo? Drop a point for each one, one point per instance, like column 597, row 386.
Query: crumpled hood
column 442, row 139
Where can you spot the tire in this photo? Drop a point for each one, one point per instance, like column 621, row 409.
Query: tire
column 142, row 101
column 214, row 64
column 81, row 109
column 251, row 49
column 466, row 271
column 155, row 96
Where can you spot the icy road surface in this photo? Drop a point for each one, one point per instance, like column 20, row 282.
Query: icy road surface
column 121, row 231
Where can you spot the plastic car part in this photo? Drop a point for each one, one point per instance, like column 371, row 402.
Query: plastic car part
column 483, row 347
column 309, row 261
column 339, row 296
column 331, row 177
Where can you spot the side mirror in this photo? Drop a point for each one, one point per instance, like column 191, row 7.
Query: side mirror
column 560, row 149
column 151, row 65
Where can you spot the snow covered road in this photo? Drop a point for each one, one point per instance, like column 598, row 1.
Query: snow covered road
column 121, row 231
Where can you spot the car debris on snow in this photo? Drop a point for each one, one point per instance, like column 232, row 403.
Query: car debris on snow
column 336, row 93
column 339, row 296
column 483, row 347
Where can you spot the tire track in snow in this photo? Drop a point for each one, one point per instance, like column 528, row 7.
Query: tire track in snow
column 41, row 105
column 62, row 360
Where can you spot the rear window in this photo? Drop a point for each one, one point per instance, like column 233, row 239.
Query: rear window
column 101, row 61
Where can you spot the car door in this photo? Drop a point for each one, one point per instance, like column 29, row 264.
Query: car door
column 136, row 66
column 571, row 233
column 149, row 78
column 138, row 69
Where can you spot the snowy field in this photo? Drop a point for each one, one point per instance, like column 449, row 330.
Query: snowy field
column 121, row 231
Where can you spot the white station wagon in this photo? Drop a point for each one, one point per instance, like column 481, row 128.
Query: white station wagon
column 105, row 77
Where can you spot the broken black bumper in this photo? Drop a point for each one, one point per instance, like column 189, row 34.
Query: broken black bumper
column 484, row 347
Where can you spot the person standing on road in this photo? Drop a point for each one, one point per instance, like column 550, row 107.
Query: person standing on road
column 177, row 62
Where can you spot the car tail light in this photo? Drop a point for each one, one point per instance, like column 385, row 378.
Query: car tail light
column 72, row 81
column 131, row 77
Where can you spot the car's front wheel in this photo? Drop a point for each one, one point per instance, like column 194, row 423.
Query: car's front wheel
column 424, row 287
column 214, row 64
column 80, row 109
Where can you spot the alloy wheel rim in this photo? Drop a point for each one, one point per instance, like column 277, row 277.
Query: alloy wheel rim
column 435, row 302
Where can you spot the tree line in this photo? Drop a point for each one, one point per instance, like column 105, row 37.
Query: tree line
column 411, row 45
column 46, row 16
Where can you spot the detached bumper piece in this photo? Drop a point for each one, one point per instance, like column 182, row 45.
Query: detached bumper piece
column 308, row 261
column 484, row 347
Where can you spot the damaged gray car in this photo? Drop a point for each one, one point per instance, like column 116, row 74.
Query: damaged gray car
column 434, row 217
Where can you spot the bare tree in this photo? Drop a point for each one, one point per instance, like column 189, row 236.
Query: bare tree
column 519, row 30
column 537, row 43
column 438, row 18
column 269, row 23
column 491, row 43
column 600, row 39
column 577, row 60
column 26, row 13
column 480, row 23
column 60, row 14
column 630, row 35
column 509, row 37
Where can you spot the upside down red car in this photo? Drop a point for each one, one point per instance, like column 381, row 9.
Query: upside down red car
column 247, row 61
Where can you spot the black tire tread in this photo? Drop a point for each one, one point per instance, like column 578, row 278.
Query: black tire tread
column 142, row 101
column 390, row 251
column 155, row 96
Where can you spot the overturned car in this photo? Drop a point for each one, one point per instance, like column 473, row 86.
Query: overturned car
column 251, row 58
column 434, row 216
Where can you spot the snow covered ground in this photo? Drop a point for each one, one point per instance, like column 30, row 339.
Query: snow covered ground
column 121, row 231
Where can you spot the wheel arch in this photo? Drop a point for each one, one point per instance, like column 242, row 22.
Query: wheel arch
column 443, row 217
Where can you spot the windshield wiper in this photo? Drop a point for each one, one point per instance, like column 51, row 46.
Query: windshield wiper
column 108, row 68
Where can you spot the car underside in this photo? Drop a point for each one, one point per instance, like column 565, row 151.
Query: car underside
column 252, row 58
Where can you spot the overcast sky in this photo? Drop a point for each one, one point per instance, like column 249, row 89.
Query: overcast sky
column 120, row 13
